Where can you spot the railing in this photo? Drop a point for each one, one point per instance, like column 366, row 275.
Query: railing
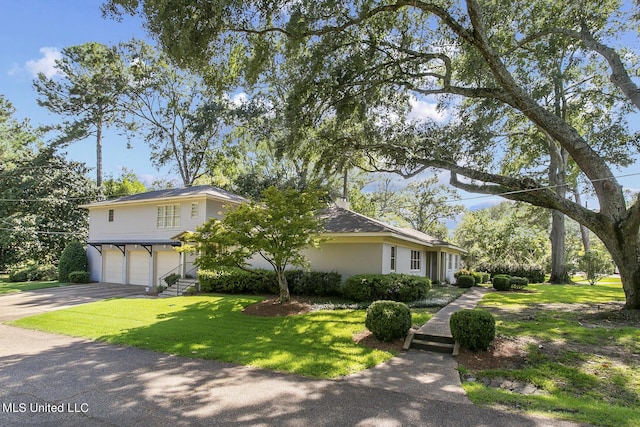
column 180, row 286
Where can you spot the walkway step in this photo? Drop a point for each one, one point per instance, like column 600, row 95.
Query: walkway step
column 435, row 343
column 435, row 335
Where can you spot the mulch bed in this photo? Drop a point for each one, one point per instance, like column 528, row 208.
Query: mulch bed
column 273, row 308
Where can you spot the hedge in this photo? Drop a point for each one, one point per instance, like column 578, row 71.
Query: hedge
column 73, row 258
column 534, row 273
column 394, row 287
column 33, row 272
column 231, row 280
column 79, row 277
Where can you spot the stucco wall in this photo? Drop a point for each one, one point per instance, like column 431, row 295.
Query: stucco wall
column 345, row 258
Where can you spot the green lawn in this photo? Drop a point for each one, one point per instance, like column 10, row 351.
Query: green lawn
column 317, row 344
column 582, row 352
column 9, row 287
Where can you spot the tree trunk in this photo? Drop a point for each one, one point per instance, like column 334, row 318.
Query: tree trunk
column 558, row 237
column 284, row 287
column 625, row 252
column 99, row 156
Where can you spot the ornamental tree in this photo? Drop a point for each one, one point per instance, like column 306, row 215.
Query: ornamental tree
column 277, row 229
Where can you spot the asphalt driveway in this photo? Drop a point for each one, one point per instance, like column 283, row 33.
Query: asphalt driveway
column 47, row 379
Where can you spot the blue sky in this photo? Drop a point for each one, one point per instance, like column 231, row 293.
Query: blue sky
column 32, row 33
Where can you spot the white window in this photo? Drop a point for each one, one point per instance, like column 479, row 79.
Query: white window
column 168, row 216
column 110, row 215
column 393, row 258
column 194, row 210
column 450, row 263
column 415, row 260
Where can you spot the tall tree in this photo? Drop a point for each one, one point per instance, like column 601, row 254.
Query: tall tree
column 86, row 92
column 17, row 138
column 39, row 206
column 175, row 111
column 346, row 60
column 507, row 232
column 126, row 184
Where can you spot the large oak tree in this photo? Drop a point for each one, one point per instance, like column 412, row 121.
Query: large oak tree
column 349, row 62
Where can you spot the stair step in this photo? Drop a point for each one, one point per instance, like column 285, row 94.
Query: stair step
column 433, row 346
column 433, row 338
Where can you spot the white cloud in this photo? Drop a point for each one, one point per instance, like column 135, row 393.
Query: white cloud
column 422, row 110
column 45, row 65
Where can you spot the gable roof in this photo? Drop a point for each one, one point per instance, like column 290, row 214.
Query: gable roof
column 184, row 192
column 341, row 220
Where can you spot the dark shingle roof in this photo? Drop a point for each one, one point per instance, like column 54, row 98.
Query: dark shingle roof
column 340, row 220
column 201, row 190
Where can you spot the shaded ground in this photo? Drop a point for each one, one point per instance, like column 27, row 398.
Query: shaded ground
column 273, row 308
column 503, row 353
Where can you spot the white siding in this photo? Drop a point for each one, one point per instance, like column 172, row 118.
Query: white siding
column 139, row 222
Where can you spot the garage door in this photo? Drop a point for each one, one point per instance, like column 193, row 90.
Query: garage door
column 112, row 266
column 166, row 261
column 138, row 268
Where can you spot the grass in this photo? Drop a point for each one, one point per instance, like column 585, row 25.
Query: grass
column 317, row 344
column 7, row 287
column 583, row 353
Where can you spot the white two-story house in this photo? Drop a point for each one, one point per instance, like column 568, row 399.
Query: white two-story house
column 132, row 239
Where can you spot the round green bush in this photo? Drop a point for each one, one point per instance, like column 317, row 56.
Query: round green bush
column 473, row 329
column 388, row 320
column 501, row 282
column 79, row 277
column 518, row 282
column 73, row 258
column 465, row 281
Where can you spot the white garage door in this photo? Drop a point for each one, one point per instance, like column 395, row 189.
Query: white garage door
column 112, row 266
column 166, row 261
column 138, row 268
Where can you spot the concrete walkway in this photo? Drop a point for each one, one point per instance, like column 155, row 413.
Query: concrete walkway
column 48, row 379
column 439, row 324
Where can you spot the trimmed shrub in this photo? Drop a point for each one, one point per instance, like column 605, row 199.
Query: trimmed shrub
column 171, row 279
column 231, row 280
column 518, row 283
column 33, row 272
column 465, row 281
column 388, row 320
column 73, row 258
column 535, row 273
column 478, row 277
column 313, row 283
column 501, row 282
column 79, row 277
column 462, row 272
column 394, row 287
column 473, row 329
column 486, row 277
